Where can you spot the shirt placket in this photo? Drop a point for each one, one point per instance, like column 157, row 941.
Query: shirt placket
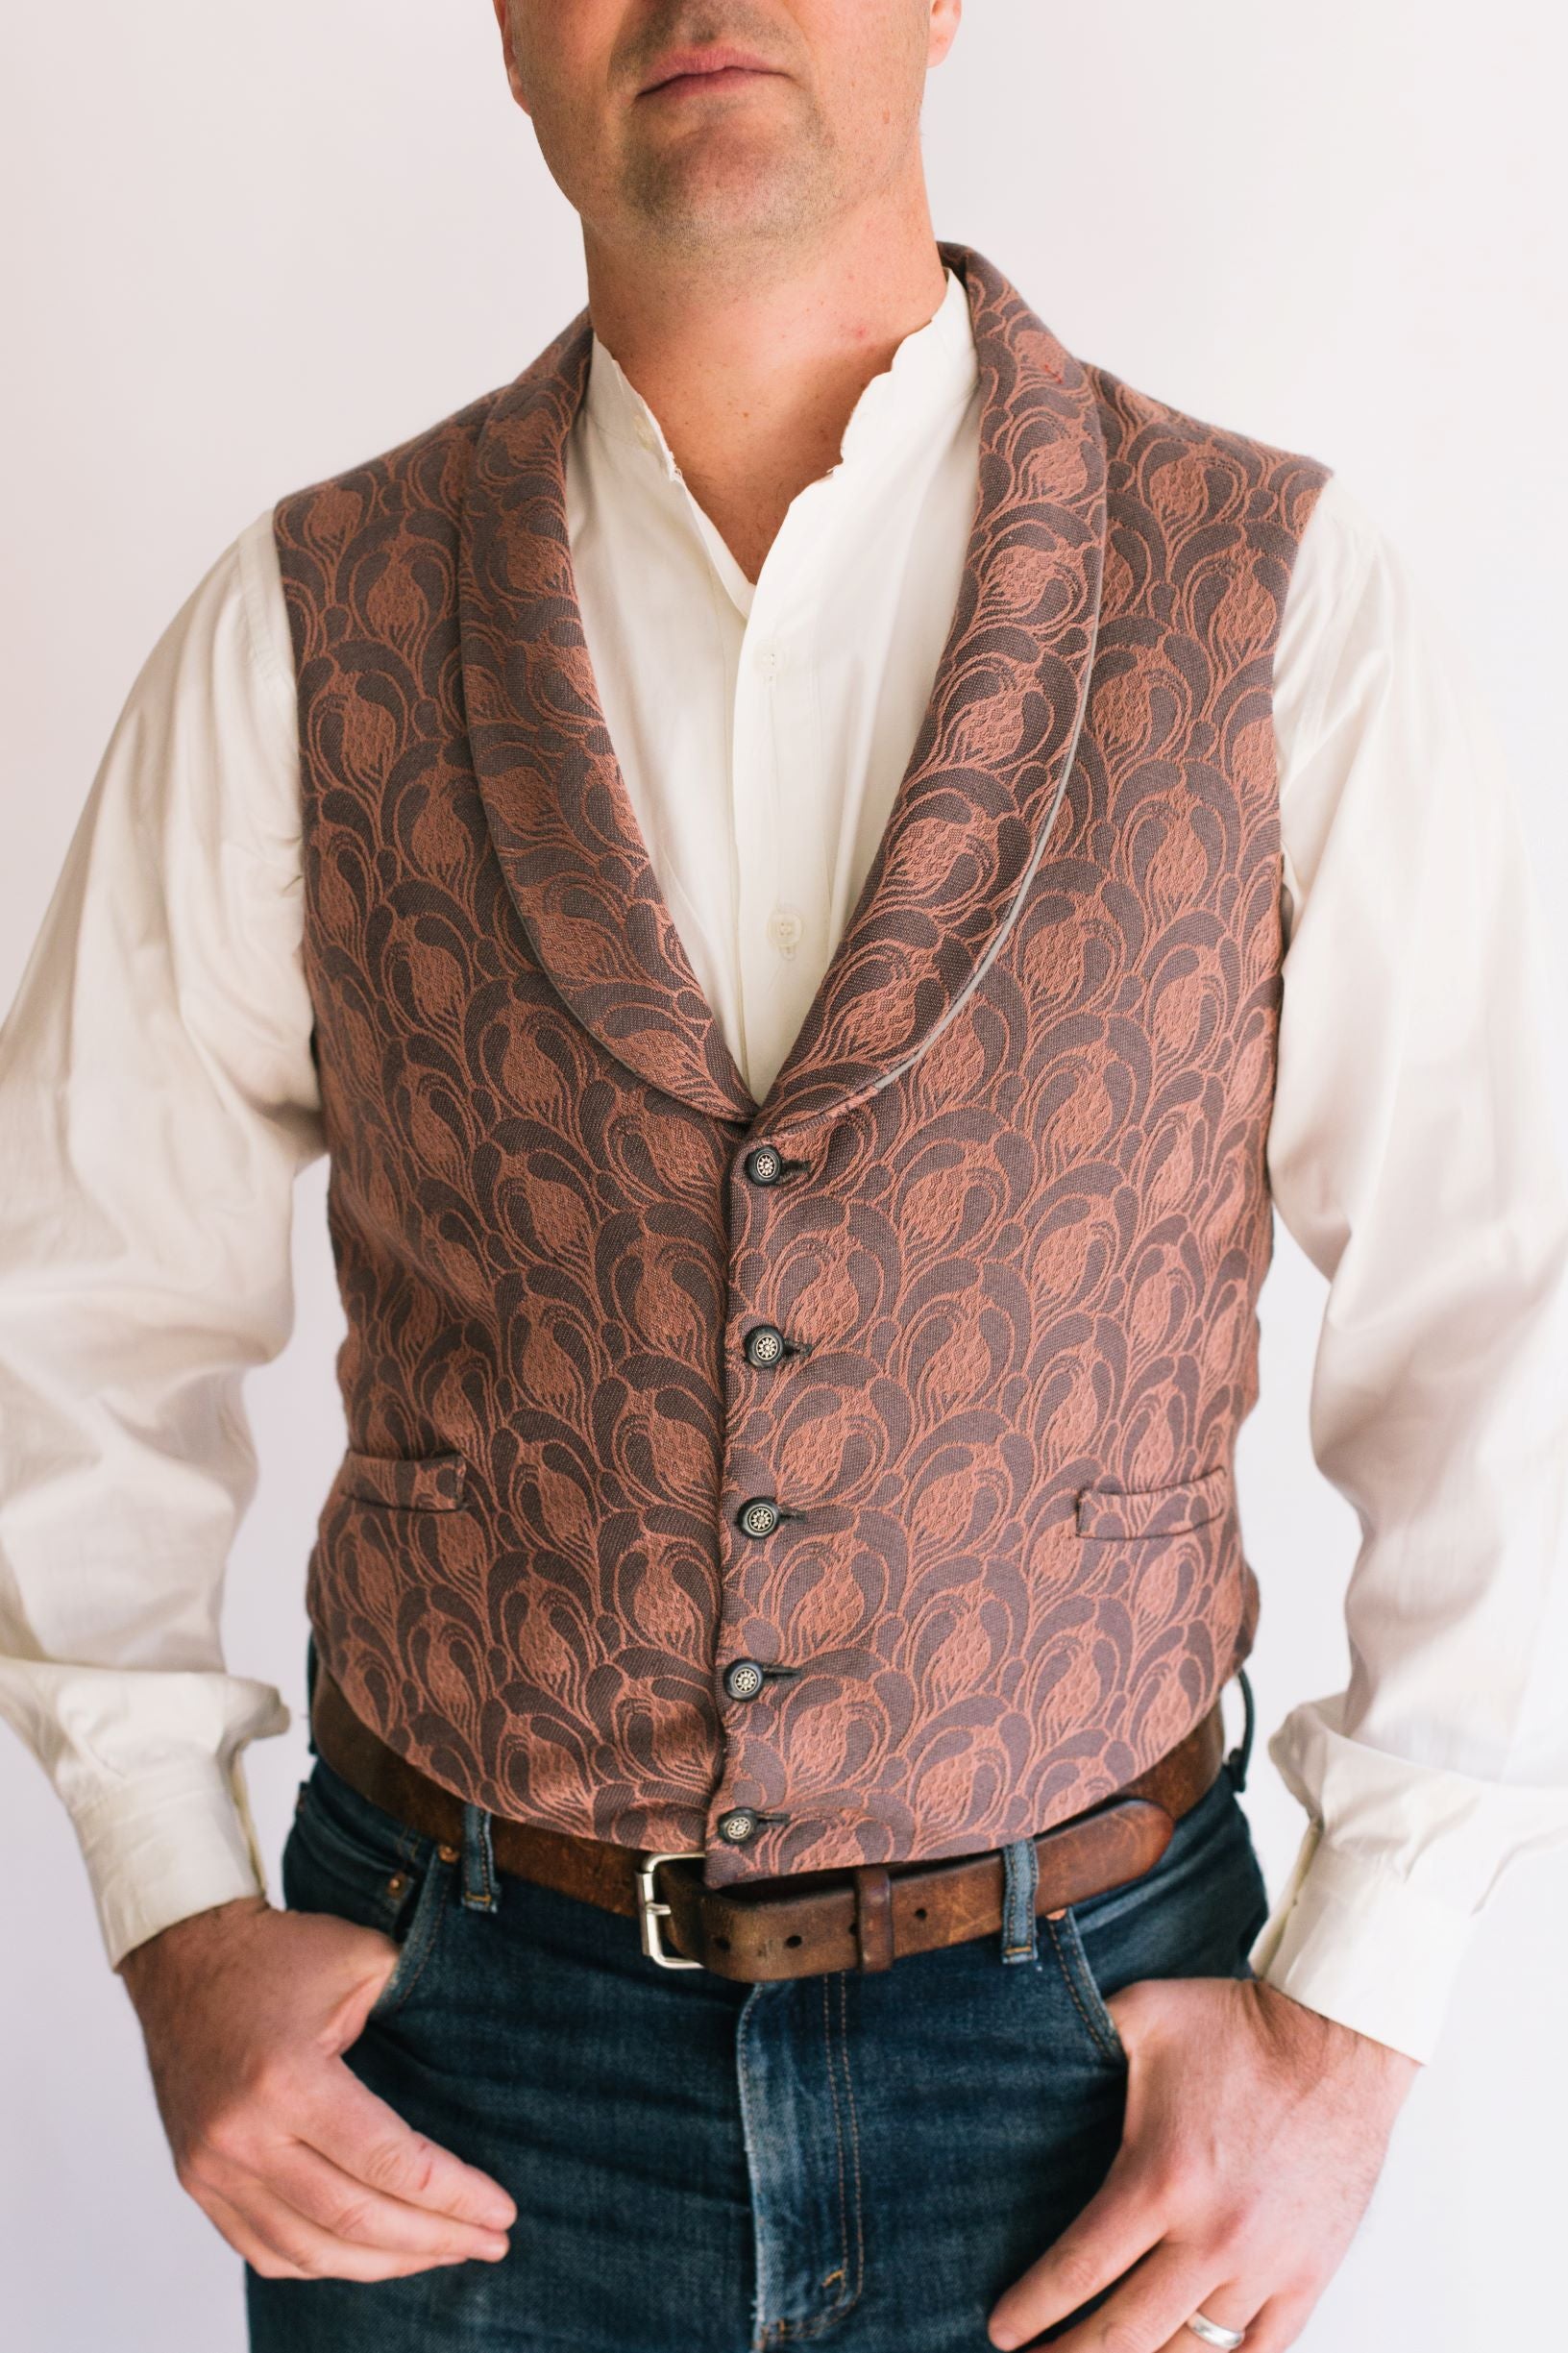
column 782, row 822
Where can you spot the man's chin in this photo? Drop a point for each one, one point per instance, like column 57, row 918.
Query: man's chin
column 743, row 159
column 720, row 202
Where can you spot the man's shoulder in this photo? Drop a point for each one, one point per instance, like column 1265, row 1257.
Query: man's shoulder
column 1159, row 450
column 424, row 471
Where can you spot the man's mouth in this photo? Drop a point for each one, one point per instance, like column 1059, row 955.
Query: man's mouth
column 715, row 68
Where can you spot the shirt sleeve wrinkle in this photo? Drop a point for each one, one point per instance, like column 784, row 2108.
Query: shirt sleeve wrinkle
column 157, row 1097
column 1415, row 1154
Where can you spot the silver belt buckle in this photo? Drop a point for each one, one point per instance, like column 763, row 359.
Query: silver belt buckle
column 651, row 1910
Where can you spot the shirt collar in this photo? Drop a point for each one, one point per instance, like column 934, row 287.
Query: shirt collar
column 928, row 381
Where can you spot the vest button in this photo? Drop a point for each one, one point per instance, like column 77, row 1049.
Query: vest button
column 759, row 1516
column 764, row 1345
column 739, row 1825
column 742, row 1678
column 764, row 1163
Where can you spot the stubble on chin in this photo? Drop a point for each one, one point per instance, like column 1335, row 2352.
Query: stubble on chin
column 731, row 195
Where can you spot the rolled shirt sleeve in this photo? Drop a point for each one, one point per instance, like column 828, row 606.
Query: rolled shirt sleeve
column 157, row 1097
column 1416, row 1153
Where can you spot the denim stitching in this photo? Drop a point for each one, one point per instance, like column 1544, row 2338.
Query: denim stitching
column 776, row 2332
column 765, row 2331
column 419, row 1943
column 1109, row 2049
column 854, row 2136
column 409, row 1841
column 807, row 2328
column 1020, row 1877
column 405, row 1854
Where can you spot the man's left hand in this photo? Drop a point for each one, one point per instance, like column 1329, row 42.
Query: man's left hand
column 1255, row 2131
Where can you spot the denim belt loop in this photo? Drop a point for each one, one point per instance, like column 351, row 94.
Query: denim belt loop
column 1020, row 1877
column 1236, row 1764
column 479, row 1894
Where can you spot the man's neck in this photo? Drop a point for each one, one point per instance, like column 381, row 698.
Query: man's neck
column 752, row 372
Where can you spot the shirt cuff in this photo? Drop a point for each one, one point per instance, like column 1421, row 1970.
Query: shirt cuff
column 166, row 1845
column 1353, row 1942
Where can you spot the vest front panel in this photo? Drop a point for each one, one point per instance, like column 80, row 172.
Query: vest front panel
column 1016, row 1247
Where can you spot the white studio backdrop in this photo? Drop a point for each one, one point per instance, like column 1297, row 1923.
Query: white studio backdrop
column 248, row 247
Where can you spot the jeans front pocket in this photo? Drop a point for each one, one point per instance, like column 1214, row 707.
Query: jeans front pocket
column 1087, row 1999
column 345, row 1856
column 1196, row 1913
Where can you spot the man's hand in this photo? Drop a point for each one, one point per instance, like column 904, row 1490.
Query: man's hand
column 1255, row 2131
column 246, row 2011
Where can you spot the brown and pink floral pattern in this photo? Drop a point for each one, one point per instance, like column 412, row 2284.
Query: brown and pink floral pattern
column 1024, row 1218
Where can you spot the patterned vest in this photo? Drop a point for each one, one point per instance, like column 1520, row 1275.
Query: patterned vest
column 849, row 1477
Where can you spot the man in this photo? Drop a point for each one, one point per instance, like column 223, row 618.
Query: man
column 764, row 851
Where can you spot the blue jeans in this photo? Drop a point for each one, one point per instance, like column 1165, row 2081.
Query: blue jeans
column 701, row 2166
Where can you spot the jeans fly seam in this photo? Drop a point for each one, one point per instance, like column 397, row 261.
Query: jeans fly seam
column 765, row 2332
column 854, row 2135
column 778, row 2332
column 838, row 2143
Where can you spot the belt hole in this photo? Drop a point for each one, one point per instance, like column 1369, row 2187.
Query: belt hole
column 920, row 1911
column 722, row 1943
column 791, row 1939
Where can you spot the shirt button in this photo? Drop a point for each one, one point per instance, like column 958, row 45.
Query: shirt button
column 764, row 1163
column 738, row 1825
column 758, row 1517
column 764, row 1345
column 765, row 661
column 786, row 929
column 742, row 1678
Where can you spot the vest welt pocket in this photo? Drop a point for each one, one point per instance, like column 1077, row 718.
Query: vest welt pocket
column 1118, row 1512
column 405, row 1483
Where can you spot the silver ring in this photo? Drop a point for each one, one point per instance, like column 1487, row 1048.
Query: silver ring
column 1212, row 2332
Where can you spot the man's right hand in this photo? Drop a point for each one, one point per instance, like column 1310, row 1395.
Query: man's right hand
column 247, row 2011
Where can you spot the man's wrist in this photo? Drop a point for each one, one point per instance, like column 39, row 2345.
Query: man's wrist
column 174, row 1944
column 1352, row 1940
column 1321, row 2036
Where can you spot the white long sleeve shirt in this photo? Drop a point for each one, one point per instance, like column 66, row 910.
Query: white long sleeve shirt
column 157, row 1098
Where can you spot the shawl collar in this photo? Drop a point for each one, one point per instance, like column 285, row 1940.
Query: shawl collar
column 972, row 812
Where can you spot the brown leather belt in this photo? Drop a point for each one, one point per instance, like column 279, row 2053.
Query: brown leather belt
column 802, row 1923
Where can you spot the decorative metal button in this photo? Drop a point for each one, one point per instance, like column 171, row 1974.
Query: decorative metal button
column 764, row 1163
column 765, row 1345
column 742, row 1678
column 759, row 1516
column 739, row 1825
